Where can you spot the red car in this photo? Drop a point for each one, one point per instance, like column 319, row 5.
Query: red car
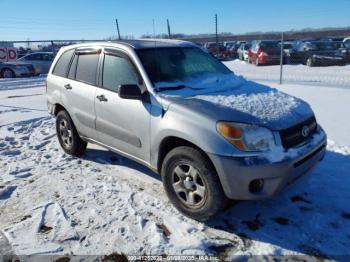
column 264, row 52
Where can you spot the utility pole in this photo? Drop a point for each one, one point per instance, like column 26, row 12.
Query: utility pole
column 216, row 34
column 168, row 25
column 116, row 22
column 281, row 59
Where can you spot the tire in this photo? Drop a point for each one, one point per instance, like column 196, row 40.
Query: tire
column 7, row 73
column 68, row 136
column 309, row 62
column 257, row 62
column 192, row 184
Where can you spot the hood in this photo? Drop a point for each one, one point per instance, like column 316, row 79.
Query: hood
column 248, row 102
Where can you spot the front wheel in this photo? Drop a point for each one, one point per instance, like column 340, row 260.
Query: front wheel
column 192, row 184
column 68, row 136
column 7, row 73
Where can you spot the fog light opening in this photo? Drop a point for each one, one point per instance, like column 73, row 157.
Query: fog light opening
column 256, row 186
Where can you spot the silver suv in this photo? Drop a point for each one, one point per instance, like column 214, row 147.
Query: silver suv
column 211, row 135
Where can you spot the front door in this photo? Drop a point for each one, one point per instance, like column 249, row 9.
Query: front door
column 121, row 123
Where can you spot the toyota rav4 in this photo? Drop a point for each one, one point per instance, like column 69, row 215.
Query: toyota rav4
column 210, row 134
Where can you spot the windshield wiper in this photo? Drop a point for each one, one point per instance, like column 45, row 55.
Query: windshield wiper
column 177, row 87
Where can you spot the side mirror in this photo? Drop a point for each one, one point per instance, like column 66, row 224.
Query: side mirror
column 129, row 92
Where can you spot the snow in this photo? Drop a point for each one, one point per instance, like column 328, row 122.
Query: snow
column 261, row 102
column 102, row 203
column 337, row 76
column 202, row 84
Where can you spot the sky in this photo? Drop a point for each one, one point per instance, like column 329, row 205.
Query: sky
column 92, row 19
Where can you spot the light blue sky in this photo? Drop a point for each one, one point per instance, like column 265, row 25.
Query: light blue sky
column 92, row 19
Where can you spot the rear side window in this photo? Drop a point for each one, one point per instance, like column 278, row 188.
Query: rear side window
column 118, row 70
column 87, row 68
column 62, row 64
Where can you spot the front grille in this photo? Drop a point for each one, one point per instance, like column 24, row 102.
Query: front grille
column 294, row 136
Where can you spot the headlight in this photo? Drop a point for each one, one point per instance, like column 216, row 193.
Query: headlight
column 246, row 137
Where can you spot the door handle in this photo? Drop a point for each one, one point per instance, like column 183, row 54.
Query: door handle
column 68, row 86
column 102, row 98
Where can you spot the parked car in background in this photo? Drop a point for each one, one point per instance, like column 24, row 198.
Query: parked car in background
column 344, row 52
column 216, row 49
column 14, row 69
column 263, row 52
column 316, row 53
column 287, row 46
column 229, row 44
column 243, row 51
column 40, row 60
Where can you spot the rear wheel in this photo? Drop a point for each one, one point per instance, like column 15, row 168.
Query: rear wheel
column 192, row 184
column 68, row 136
column 7, row 73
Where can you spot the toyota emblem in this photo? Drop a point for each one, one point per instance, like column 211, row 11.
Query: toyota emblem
column 305, row 131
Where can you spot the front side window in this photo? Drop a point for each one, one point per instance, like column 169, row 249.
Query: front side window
column 179, row 63
column 118, row 70
column 34, row 57
column 62, row 64
column 87, row 68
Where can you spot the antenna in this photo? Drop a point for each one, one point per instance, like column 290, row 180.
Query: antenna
column 116, row 22
column 216, row 34
column 168, row 25
column 154, row 29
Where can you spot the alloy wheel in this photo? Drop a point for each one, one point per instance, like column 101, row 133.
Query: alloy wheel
column 66, row 133
column 188, row 185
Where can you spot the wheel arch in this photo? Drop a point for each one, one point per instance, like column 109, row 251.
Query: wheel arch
column 7, row 68
column 57, row 108
column 169, row 143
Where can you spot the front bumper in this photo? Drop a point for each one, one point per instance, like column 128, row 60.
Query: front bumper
column 237, row 173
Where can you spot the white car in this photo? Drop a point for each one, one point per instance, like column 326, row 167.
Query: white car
column 40, row 60
column 243, row 51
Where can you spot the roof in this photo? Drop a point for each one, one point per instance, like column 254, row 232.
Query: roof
column 135, row 44
column 151, row 43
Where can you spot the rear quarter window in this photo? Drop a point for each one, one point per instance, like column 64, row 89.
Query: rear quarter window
column 62, row 64
column 87, row 68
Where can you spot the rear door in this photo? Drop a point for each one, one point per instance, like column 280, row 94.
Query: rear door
column 121, row 123
column 79, row 87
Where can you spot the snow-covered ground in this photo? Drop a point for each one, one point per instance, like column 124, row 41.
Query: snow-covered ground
column 102, row 203
column 337, row 76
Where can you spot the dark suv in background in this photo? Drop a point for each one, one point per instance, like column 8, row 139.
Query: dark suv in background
column 316, row 53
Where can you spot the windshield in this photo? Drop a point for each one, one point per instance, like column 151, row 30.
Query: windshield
column 179, row 63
